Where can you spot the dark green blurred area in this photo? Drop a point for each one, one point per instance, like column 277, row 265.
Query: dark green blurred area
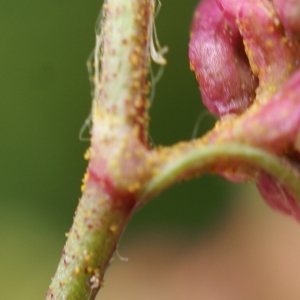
column 45, row 98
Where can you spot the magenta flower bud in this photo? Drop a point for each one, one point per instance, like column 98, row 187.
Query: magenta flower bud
column 233, row 41
column 273, row 57
column 218, row 58
column 278, row 196
column 289, row 14
column 273, row 126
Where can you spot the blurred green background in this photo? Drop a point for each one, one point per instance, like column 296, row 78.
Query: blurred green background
column 45, row 98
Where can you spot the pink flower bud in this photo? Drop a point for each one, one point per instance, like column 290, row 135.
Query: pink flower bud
column 233, row 41
column 278, row 196
column 273, row 57
column 274, row 125
column 218, row 58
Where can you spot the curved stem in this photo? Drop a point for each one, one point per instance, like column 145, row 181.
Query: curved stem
column 194, row 161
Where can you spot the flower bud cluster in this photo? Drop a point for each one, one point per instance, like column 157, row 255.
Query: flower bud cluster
column 245, row 55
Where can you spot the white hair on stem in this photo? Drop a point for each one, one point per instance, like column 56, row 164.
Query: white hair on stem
column 98, row 52
column 85, row 125
column 202, row 115
column 121, row 258
column 154, row 80
column 156, row 55
column 94, row 61
column 94, row 70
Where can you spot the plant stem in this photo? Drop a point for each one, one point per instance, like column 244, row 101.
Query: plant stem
column 118, row 152
column 97, row 227
column 124, row 172
column 184, row 160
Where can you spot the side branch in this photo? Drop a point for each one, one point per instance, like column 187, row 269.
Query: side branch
column 189, row 159
column 259, row 144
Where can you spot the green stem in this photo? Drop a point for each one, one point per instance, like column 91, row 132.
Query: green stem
column 118, row 149
column 97, row 227
column 121, row 85
column 194, row 161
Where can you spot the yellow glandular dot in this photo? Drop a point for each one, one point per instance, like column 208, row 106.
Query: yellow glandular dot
column 113, row 228
column 87, row 154
column 272, row 89
column 269, row 43
column 87, row 257
column 136, row 84
column 82, row 188
column 139, row 102
column 134, row 59
column 136, row 186
column 77, row 270
column 84, row 180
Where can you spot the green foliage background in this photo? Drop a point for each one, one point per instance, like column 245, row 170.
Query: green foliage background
column 45, row 98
